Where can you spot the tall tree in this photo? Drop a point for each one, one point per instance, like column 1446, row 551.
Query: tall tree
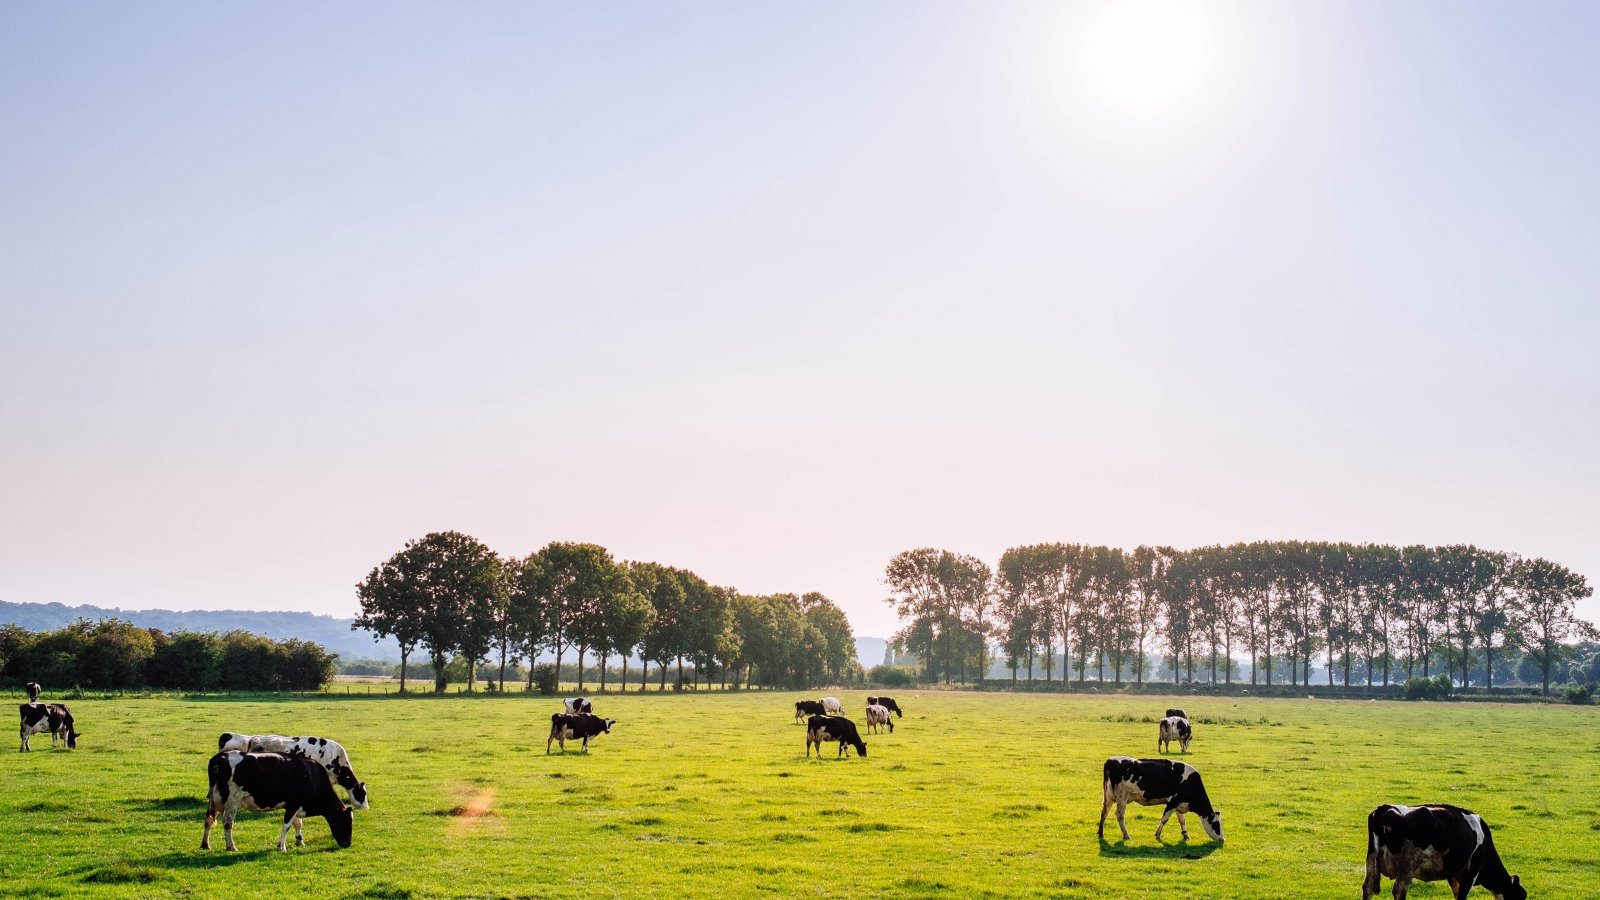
column 391, row 596
column 572, row 581
column 1147, row 568
column 448, row 575
column 1547, row 595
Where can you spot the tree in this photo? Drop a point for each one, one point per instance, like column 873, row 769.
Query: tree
column 572, row 581
column 390, row 596
column 1546, row 596
column 628, row 614
column 187, row 660
column 1147, row 569
column 663, row 639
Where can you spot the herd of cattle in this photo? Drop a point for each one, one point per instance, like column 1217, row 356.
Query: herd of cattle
column 303, row 776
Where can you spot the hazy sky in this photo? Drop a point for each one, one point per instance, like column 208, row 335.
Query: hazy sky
column 774, row 291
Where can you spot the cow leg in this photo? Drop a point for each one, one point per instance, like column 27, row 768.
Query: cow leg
column 1371, row 886
column 1460, row 888
column 283, row 833
column 211, row 819
column 1105, row 807
column 227, row 829
column 1165, row 814
column 586, row 743
column 1182, row 828
column 1402, row 886
column 24, row 738
column 1122, row 822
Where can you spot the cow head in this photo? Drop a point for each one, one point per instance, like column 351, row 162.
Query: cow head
column 342, row 823
column 1514, row 891
column 608, row 723
column 1213, row 825
column 345, row 777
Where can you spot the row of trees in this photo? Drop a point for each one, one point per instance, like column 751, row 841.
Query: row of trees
column 449, row 595
column 113, row 654
column 1368, row 611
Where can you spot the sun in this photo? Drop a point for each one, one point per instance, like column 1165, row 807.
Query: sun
column 1144, row 58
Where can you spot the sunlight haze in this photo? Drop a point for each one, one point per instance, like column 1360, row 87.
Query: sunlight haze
column 772, row 292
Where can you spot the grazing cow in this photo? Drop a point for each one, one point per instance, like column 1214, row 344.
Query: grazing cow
column 572, row 726
column 578, row 705
column 887, row 702
column 37, row 718
column 261, row 781
column 833, row 728
column 33, row 691
column 832, row 707
column 1434, row 843
column 329, row 754
column 804, row 708
column 877, row 717
column 1148, row 782
column 1173, row 728
column 1177, row 712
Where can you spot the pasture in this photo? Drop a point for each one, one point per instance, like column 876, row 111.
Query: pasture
column 711, row 795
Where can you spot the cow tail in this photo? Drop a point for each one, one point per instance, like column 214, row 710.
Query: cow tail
column 218, row 773
column 1106, row 780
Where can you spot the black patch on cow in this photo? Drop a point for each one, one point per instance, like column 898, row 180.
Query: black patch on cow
column 1438, row 826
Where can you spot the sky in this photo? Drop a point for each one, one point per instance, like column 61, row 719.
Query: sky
column 775, row 291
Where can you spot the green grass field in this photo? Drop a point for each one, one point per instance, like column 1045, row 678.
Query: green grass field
column 712, row 796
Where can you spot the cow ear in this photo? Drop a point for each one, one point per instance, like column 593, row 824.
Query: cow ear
column 1516, row 880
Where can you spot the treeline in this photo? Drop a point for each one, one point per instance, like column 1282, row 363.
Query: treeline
column 118, row 655
column 450, row 596
column 1368, row 612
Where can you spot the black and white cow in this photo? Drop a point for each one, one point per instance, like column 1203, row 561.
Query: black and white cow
column 572, row 726
column 877, row 717
column 1435, row 843
column 1177, row 712
column 261, row 781
column 1149, row 782
column 832, row 707
column 886, row 702
column 578, row 705
column 804, row 708
column 330, row 754
column 833, row 728
column 33, row 691
column 38, row 718
column 1173, row 728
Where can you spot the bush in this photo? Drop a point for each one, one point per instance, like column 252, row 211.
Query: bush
column 1579, row 694
column 889, row 676
column 1439, row 687
column 544, row 679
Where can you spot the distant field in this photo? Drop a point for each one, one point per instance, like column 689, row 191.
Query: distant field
column 701, row 796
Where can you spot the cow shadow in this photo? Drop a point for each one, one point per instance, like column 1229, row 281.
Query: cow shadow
column 1183, row 849
column 217, row 858
column 173, row 807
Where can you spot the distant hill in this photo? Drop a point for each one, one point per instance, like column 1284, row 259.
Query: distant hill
column 335, row 634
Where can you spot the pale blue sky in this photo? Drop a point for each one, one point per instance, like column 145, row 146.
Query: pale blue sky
column 773, row 291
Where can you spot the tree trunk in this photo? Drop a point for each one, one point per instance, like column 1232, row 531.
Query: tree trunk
column 602, row 673
column 622, row 683
column 680, row 673
column 438, row 673
column 581, row 651
column 502, row 667
column 405, row 654
column 472, row 674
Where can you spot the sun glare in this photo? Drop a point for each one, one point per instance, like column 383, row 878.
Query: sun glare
column 1144, row 58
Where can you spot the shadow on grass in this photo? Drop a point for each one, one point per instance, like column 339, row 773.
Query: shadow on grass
column 216, row 858
column 1181, row 850
column 173, row 807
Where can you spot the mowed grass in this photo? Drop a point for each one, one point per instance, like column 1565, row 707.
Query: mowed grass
column 712, row 796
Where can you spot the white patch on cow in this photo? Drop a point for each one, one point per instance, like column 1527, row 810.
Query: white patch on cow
column 832, row 706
